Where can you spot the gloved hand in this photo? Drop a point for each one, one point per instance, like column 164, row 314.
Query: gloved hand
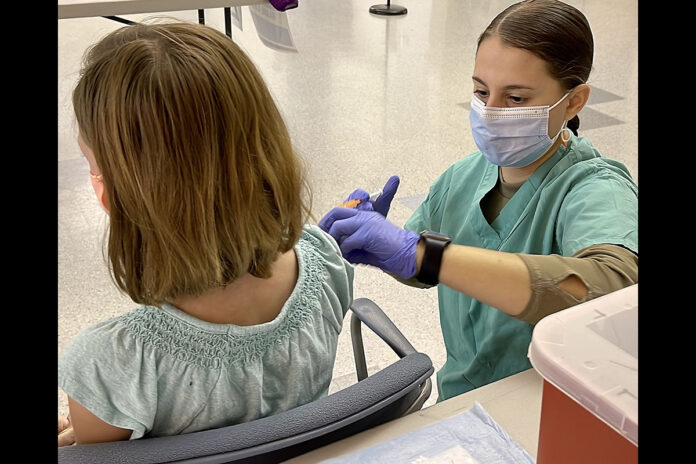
column 382, row 203
column 366, row 237
column 283, row 5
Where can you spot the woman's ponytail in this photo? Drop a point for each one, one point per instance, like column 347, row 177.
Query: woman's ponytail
column 574, row 124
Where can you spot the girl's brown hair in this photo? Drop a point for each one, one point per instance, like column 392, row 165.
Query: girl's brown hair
column 554, row 31
column 200, row 176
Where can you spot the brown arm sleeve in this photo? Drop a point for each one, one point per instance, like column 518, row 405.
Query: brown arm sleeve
column 602, row 268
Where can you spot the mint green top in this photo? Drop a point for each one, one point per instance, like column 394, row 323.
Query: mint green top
column 575, row 199
column 164, row 372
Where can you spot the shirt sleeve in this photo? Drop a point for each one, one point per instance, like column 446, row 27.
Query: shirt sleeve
column 603, row 208
column 339, row 275
column 603, row 269
column 93, row 370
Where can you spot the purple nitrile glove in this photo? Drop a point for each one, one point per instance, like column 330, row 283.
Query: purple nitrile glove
column 364, row 197
column 366, row 237
column 382, row 203
column 283, row 5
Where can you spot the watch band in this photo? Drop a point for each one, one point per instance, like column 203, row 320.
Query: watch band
column 435, row 245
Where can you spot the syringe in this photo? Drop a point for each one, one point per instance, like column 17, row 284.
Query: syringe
column 356, row 202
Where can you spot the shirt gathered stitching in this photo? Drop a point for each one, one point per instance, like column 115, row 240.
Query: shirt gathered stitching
column 194, row 345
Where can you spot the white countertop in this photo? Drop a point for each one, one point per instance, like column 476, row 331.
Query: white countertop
column 514, row 403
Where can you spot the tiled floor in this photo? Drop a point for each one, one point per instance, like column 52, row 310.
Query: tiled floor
column 365, row 97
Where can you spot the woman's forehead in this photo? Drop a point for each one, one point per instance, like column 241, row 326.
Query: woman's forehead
column 498, row 64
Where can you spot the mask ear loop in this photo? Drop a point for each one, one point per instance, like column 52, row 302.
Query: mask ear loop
column 565, row 137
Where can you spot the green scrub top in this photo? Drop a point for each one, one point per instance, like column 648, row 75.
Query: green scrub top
column 577, row 198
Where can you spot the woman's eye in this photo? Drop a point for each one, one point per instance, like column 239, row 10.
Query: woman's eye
column 481, row 93
column 516, row 100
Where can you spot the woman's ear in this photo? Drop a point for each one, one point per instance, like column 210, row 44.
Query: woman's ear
column 576, row 100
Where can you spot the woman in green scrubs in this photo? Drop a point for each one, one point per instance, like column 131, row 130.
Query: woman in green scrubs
column 534, row 222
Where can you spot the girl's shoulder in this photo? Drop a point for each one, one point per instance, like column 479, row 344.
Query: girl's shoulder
column 318, row 252
column 106, row 340
column 96, row 354
column 103, row 334
column 313, row 236
column 325, row 276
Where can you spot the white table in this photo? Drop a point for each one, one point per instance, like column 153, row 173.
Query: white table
column 111, row 9
column 90, row 8
column 514, row 403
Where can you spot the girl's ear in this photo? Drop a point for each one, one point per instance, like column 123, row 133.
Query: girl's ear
column 99, row 190
column 576, row 100
column 97, row 183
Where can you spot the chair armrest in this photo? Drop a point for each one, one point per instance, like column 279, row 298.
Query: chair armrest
column 366, row 311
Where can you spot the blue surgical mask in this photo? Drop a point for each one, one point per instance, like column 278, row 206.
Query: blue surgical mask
column 512, row 136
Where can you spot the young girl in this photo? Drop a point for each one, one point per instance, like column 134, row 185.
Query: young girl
column 534, row 222
column 240, row 305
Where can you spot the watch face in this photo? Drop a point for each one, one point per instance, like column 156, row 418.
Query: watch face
column 426, row 234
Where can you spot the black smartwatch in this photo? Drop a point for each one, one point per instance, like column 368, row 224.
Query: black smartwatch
column 432, row 257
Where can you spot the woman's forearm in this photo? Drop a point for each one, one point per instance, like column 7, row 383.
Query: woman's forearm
column 496, row 278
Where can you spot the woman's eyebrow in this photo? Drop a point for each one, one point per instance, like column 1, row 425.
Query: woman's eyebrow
column 507, row 87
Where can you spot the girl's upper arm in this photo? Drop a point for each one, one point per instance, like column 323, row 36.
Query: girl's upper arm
column 90, row 429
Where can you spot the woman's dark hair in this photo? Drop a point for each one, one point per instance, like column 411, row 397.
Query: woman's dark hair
column 554, row 31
